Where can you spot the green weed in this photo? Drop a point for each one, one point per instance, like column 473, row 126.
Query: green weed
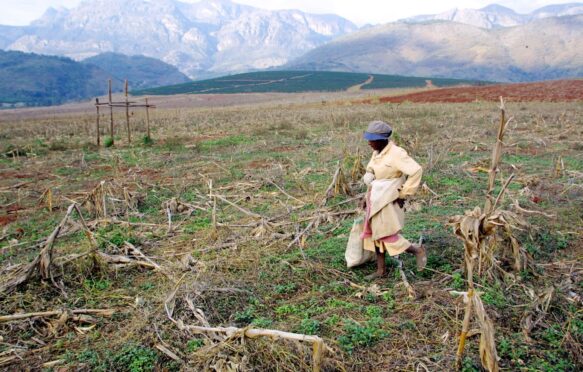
column 197, row 224
column 96, row 284
column 108, row 141
column 374, row 311
column 90, row 358
column 135, row 358
column 458, row 281
column 495, row 297
column 194, row 344
column 309, row 326
column 246, row 316
column 116, row 236
column 261, row 322
column 332, row 320
column 224, row 143
column 286, row 288
column 356, row 335
column 147, row 140
column 288, row 310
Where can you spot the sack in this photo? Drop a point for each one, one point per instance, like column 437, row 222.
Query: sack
column 355, row 254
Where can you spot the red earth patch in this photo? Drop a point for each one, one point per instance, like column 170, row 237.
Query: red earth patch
column 548, row 91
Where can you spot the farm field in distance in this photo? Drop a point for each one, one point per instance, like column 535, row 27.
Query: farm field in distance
column 301, row 81
column 220, row 221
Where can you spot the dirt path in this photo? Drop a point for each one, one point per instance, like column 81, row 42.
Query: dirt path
column 356, row 88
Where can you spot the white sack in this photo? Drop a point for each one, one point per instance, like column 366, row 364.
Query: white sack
column 355, row 254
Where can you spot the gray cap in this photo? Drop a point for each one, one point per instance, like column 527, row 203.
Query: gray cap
column 378, row 130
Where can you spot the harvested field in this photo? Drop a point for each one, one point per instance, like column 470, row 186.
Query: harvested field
column 227, row 220
column 548, row 91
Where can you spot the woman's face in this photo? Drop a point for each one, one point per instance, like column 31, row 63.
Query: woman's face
column 378, row 145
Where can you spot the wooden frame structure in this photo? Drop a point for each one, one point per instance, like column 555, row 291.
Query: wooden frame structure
column 127, row 104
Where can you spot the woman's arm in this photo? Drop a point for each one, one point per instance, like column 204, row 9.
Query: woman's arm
column 412, row 170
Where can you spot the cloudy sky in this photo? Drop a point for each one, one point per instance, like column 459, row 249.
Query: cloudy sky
column 22, row 12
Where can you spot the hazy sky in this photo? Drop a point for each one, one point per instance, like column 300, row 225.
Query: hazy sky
column 22, row 12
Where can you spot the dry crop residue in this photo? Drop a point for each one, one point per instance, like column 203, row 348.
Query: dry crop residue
column 223, row 213
column 549, row 91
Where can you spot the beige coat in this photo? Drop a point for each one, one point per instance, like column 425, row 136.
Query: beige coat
column 393, row 163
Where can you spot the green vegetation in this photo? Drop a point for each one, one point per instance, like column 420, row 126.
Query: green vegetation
column 131, row 358
column 277, row 160
column 297, row 81
column 194, row 344
column 357, row 335
column 135, row 358
column 35, row 80
column 28, row 79
column 108, row 141
column 140, row 71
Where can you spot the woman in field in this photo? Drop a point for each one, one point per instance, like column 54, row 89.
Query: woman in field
column 391, row 176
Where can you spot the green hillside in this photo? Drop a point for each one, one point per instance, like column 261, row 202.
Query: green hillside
column 28, row 79
column 297, row 81
column 141, row 72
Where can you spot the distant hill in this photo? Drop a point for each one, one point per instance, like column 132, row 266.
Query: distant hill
column 141, row 72
column 544, row 49
column 297, row 81
column 28, row 79
column 34, row 80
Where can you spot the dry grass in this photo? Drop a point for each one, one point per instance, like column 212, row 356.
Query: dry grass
column 270, row 167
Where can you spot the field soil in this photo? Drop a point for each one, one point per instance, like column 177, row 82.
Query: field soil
column 228, row 217
column 548, row 91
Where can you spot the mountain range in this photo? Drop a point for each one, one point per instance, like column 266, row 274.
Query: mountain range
column 497, row 16
column 547, row 48
column 207, row 38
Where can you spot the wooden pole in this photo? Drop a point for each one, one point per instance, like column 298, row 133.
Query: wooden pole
column 148, row 118
column 110, row 115
column 128, row 113
column 97, row 122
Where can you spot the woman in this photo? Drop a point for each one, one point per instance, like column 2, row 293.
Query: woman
column 392, row 176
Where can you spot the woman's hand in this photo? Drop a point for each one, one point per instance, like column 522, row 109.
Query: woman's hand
column 400, row 202
column 362, row 203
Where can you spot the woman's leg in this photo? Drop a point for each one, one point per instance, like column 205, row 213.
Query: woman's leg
column 381, row 266
column 420, row 255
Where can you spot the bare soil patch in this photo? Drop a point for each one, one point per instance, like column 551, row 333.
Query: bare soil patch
column 548, row 91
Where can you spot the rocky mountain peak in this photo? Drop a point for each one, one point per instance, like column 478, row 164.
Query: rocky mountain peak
column 202, row 39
